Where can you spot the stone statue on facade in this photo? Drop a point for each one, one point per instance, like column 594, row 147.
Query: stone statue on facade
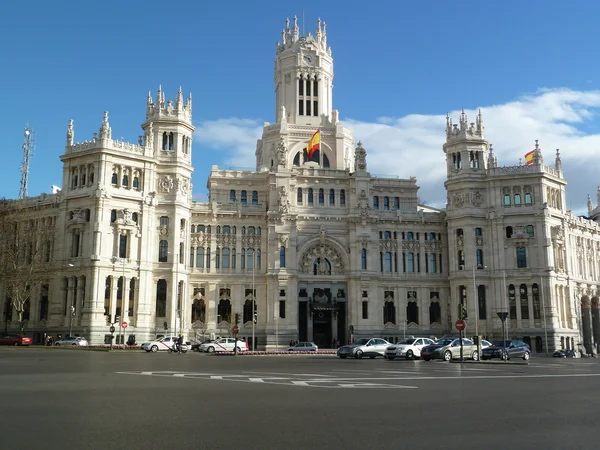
column 282, row 152
column 360, row 158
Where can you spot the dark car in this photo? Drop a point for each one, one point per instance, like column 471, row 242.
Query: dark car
column 15, row 339
column 565, row 354
column 195, row 346
column 506, row 350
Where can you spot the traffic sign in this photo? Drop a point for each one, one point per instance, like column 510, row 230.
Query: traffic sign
column 112, row 329
column 236, row 329
column 124, row 324
column 460, row 325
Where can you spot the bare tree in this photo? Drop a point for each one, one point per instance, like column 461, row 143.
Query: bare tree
column 26, row 241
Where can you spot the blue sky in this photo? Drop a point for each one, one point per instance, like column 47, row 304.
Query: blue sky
column 399, row 67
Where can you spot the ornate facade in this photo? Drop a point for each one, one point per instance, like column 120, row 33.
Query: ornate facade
column 310, row 247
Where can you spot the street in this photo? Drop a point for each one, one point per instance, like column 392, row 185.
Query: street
column 61, row 399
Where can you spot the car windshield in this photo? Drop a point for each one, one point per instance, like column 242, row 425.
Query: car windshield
column 501, row 343
column 444, row 341
column 361, row 342
column 407, row 342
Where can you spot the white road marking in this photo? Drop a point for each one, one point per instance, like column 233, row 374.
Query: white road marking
column 289, row 374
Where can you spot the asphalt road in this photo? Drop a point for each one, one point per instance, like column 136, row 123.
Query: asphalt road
column 61, row 399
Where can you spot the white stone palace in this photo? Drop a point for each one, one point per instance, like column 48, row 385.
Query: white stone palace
column 324, row 249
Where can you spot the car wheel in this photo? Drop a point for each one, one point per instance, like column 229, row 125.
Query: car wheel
column 391, row 358
column 358, row 354
column 504, row 356
column 342, row 356
column 16, row 344
column 154, row 348
column 409, row 354
column 57, row 344
column 372, row 356
column 210, row 349
column 475, row 355
column 426, row 358
column 239, row 349
column 447, row 355
column 526, row 356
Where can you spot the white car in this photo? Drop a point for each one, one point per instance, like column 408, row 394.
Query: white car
column 408, row 348
column 223, row 345
column 364, row 347
column 164, row 343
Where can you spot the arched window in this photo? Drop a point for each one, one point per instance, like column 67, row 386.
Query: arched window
column 165, row 141
column 125, row 181
column 224, row 311
column 509, row 232
column 248, row 316
column 506, row 199
column 164, row 221
column 91, row 177
column 251, row 230
column 163, row 251
column 535, row 295
column 389, row 312
column 342, row 197
column 376, row 202
column 225, row 258
column 331, row 197
column 529, row 230
column 524, row 302
column 114, row 180
column 232, row 195
column 199, row 311
column 171, row 139
column 310, row 196
column 412, row 312
column 282, row 257
column 161, row 298
column 113, row 215
column 517, row 199
column 387, row 235
column 528, row 198
column 321, row 196
column 193, row 229
column 244, row 198
column 512, row 302
column 299, row 196
column 410, row 262
column 255, row 197
column 136, row 183
column 435, row 313
column 226, row 229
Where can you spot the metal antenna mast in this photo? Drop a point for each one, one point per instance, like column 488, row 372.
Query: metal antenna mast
column 27, row 149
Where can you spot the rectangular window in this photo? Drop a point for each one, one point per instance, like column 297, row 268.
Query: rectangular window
column 365, row 310
column 75, row 246
column 308, row 107
column 506, row 199
column 282, row 309
column 512, row 302
column 308, row 86
column 528, row 198
column 315, row 88
column 300, row 86
column 396, row 203
column 363, row 259
column 300, row 107
column 315, row 108
column 521, row 257
column 524, row 302
column 479, row 254
column 123, row 246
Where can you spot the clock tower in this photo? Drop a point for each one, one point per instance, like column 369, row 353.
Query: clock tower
column 303, row 75
column 303, row 106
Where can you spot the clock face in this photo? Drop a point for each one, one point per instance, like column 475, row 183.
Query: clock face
column 308, row 59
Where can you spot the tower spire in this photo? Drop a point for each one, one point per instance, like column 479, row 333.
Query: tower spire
column 558, row 161
column 179, row 99
column 296, row 32
column 70, row 133
column 589, row 205
column 159, row 96
column 105, row 132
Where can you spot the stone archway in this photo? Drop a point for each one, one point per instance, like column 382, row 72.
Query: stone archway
column 321, row 259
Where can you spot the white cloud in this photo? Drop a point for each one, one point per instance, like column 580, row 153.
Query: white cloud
column 412, row 144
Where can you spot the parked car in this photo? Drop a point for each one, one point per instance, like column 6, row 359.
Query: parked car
column 303, row 347
column 565, row 354
column 448, row 348
column 195, row 346
column 72, row 340
column 162, row 344
column 485, row 344
column 408, row 348
column 224, row 345
column 15, row 339
column 506, row 350
column 364, row 347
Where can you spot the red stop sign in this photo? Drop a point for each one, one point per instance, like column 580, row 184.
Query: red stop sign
column 124, row 324
column 460, row 325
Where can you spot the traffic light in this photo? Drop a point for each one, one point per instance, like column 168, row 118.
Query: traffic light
column 237, row 318
column 255, row 318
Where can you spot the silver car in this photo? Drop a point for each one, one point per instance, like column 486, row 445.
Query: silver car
column 364, row 347
column 303, row 347
column 449, row 348
column 72, row 340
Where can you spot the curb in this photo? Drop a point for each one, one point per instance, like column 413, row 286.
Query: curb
column 275, row 353
column 503, row 363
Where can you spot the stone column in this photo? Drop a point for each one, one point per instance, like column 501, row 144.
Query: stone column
column 586, row 323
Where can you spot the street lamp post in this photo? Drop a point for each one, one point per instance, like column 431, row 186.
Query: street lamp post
column 72, row 308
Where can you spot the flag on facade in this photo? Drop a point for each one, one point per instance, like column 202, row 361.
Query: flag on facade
column 314, row 144
column 529, row 157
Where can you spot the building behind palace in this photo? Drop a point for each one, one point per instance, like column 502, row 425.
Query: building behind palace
column 326, row 250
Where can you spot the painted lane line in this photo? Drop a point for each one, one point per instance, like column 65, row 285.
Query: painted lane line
column 291, row 374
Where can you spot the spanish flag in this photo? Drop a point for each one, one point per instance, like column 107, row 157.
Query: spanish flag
column 529, row 157
column 314, row 144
